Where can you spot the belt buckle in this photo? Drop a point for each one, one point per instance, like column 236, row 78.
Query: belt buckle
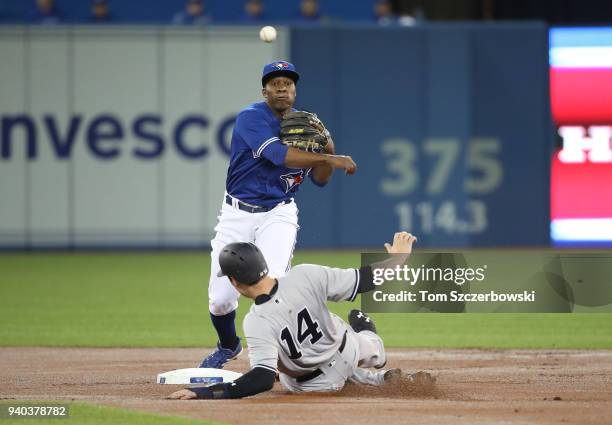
column 251, row 207
column 243, row 206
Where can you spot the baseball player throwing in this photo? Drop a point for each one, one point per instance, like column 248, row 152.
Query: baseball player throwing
column 289, row 328
column 263, row 176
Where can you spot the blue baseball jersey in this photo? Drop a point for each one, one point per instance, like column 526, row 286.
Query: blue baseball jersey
column 256, row 172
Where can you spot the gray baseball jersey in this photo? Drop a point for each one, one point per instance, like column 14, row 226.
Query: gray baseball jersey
column 293, row 324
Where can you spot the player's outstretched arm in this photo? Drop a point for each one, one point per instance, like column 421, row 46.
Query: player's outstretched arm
column 255, row 381
column 400, row 249
column 297, row 158
column 344, row 284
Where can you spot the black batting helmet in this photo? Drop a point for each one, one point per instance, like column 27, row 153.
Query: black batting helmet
column 244, row 262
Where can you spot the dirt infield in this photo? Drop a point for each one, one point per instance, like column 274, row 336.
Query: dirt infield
column 473, row 387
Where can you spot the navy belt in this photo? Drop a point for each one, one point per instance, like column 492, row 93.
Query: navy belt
column 317, row 372
column 252, row 208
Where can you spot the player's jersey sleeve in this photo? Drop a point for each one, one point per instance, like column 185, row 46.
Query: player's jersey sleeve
column 263, row 347
column 337, row 284
column 253, row 128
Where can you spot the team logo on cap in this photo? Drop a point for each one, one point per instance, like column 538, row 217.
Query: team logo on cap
column 281, row 65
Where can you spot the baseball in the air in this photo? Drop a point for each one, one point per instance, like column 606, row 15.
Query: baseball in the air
column 267, row 34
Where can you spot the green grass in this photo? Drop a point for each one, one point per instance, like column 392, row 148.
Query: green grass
column 159, row 300
column 86, row 414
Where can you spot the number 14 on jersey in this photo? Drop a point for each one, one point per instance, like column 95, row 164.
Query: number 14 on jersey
column 306, row 327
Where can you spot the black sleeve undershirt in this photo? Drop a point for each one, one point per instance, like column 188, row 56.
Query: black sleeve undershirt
column 366, row 280
column 255, row 381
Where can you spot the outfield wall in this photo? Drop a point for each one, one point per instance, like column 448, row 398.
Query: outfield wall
column 117, row 137
column 449, row 124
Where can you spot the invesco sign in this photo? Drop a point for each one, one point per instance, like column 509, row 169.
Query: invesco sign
column 105, row 134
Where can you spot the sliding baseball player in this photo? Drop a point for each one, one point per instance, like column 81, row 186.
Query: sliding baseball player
column 290, row 330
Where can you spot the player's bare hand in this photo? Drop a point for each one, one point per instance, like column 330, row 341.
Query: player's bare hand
column 344, row 162
column 402, row 243
column 182, row 395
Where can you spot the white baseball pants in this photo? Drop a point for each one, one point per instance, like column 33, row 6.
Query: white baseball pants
column 274, row 232
column 362, row 350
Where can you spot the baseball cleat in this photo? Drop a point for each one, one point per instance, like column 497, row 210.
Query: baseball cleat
column 218, row 358
column 360, row 321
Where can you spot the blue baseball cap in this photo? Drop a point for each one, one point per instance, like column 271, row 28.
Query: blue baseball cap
column 278, row 68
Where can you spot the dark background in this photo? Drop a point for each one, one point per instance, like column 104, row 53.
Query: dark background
column 570, row 12
column 552, row 11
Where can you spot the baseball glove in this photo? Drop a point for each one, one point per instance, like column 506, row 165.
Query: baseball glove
column 304, row 130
